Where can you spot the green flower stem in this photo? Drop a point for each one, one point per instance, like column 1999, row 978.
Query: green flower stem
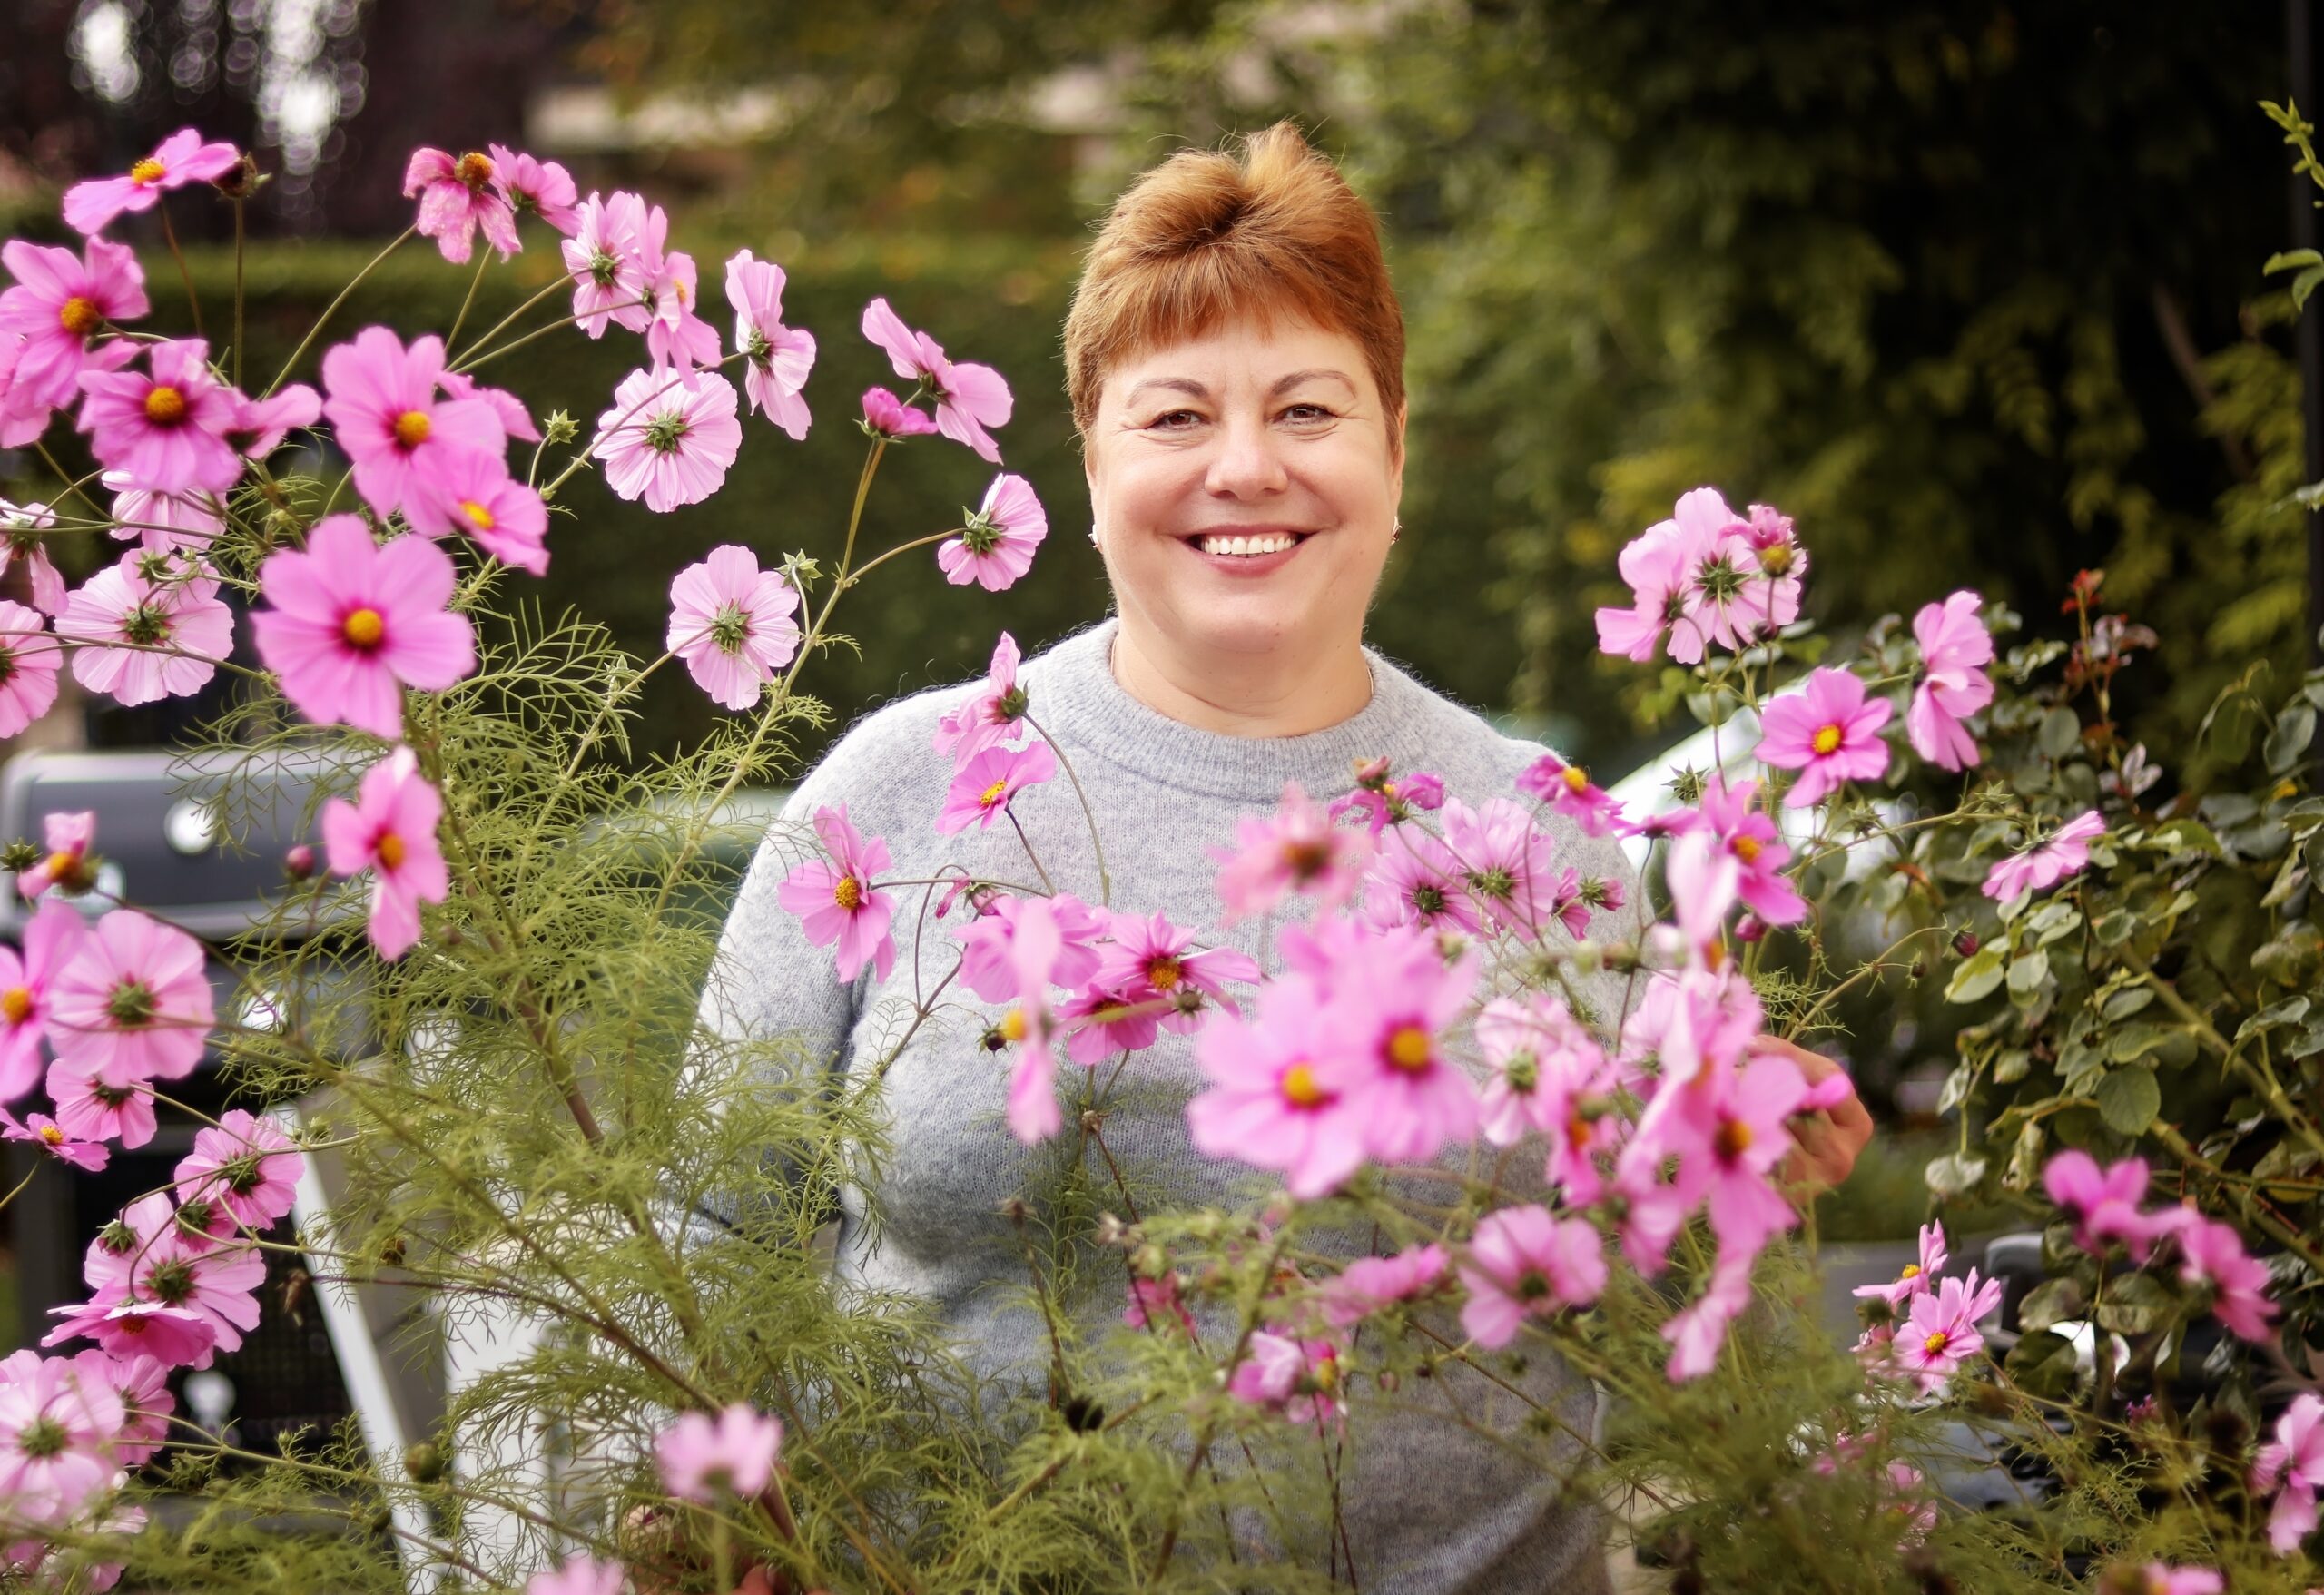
column 72, row 484
column 18, row 1188
column 1105, row 876
column 581, row 455
column 237, row 293
column 483, row 261
column 330, row 310
column 469, row 361
column 555, row 285
column 170, row 235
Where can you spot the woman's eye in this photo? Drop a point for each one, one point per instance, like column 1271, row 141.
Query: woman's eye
column 1175, row 420
column 1306, row 412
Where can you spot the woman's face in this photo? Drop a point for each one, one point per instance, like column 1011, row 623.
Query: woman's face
column 1245, row 486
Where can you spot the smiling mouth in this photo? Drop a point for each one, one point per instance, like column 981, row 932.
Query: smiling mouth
column 1248, row 545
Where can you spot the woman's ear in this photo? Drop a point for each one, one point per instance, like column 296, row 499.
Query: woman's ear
column 1396, row 447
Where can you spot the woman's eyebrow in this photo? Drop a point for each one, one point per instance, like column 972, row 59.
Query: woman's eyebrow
column 1286, row 384
column 1186, row 385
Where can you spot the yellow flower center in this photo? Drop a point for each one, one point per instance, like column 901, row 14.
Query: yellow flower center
column 166, row 406
column 63, row 863
column 1326, row 1375
column 1745, row 848
column 848, row 893
column 1012, row 1024
column 148, row 170
column 991, row 794
column 1827, row 740
column 52, row 1135
column 1577, row 1131
column 390, row 850
column 475, row 168
column 1733, row 1137
column 363, row 627
column 412, row 428
column 79, row 316
column 1576, row 778
column 1409, row 1049
column 1937, row 1342
column 1912, row 1271
column 16, row 1004
column 1164, row 973
column 1299, row 1087
column 478, row 516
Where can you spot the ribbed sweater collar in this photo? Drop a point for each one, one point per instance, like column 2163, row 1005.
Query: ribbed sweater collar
column 1076, row 699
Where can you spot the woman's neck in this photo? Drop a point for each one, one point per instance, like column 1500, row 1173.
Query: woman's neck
column 1243, row 695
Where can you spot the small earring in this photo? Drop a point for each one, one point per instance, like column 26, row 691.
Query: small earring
column 1093, row 536
column 1397, row 530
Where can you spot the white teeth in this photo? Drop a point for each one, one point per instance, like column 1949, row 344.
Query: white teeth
column 1266, row 543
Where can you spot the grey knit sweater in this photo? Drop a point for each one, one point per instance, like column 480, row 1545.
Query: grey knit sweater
column 1429, row 1508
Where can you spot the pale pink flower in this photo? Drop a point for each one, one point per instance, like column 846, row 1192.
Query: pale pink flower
column 1568, row 789
column 1940, row 1333
column 886, row 416
column 1100, row 1022
column 169, row 427
column 1298, row 1378
column 2290, row 1467
column 502, row 515
column 1391, row 1007
column 49, row 940
column 167, row 1264
column 88, row 1109
column 542, row 187
column 669, row 438
column 989, row 964
column 983, row 788
column 134, row 1003
column 1756, row 843
column 456, row 197
column 163, row 523
column 399, row 434
column 140, row 638
column 175, row 1338
column 1298, row 848
column 1829, row 732
column 21, row 526
column 48, row 1137
column 1504, row 863
column 1729, row 592
column 178, row 160
column 997, row 545
column 731, row 623
column 57, row 1432
column 608, row 260
column 703, row 1458
column 1917, row 1278
column 1276, row 1099
column 993, row 717
column 259, row 430
column 29, row 660
column 581, row 1576
column 1659, row 564
column 2104, row 1202
column 776, row 358
column 1691, row 1022
column 507, row 407
column 1951, row 684
column 1524, row 1264
column 836, row 899
column 23, row 417
column 2161, row 1579
column 245, row 1165
column 2212, row 1252
column 1034, row 951
column 353, row 623
column 1152, row 1300
column 2064, row 852
column 1414, row 880
column 1697, row 1332
column 143, row 1384
column 67, row 835
column 58, row 306
column 1543, row 1062
column 1150, row 960
column 390, row 830
column 1782, row 562
column 1369, row 1283
column 968, row 398
column 1383, row 801
column 676, row 335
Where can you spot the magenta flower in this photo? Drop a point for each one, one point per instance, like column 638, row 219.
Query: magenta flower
column 56, row 1434
column 507, row 407
column 1782, row 562
column 245, row 1165
column 1657, row 563
column 2212, row 1252
column 542, row 187
column 385, row 413
column 1383, row 801
column 456, row 197
column 1504, row 863
column 2104, row 1203
column 1755, row 842
column 702, row 1457
column 886, row 416
column 1277, row 1098
column 608, row 261
column 1390, row 1009
column 1152, row 960
column 167, row 426
column 676, row 335
column 1542, row 1059
column 997, row 545
column 1941, row 1333
column 2290, row 1467
column 142, row 639
column 51, row 940
column 968, row 398
column 163, row 523
column 23, row 417
column 1101, row 1021
column 1034, row 949
column 141, row 1383
column 1299, row 1379
column 1568, row 789
column 731, row 623
column 1828, row 732
column 1729, row 1129
column 990, row 966
column 982, row 788
column 178, row 160
column 48, row 1137
column 668, row 440
column 1917, row 1278
column 1523, row 1264
column 993, row 716
column 57, row 307
column 88, row 1109
column 2063, row 852
column 68, row 834
column 1729, row 593
column 836, row 901
column 390, row 830
column 2161, row 1579
column 777, row 358
column 501, row 515
column 134, row 1003
column 1414, row 880
column 1697, row 1332
column 29, row 660
column 1951, row 684
column 1369, row 1283
column 581, row 1576
column 265, row 422
column 1298, row 848
column 354, row 623
column 174, row 1337
column 21, row 526
column 1151, row 1301
column 165, row 1265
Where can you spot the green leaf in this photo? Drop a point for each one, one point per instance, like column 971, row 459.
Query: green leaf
column 2028, row 974
column 2288, row 742
column 2041, row 1364
column 1977, row 978
column 1954, row 1174
column 2059, row 733
column 2305, row 284
column 2135, row 1303
column 2291, row 260
column 2128, row 1000
column 2054, row 1301
column 2289, row 1011
column 2128, row 1100
column 2010, row 1066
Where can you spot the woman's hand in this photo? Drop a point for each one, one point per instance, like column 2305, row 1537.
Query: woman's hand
column 1829, row 1139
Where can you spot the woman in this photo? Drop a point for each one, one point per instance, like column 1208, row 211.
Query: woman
column 1235, row 356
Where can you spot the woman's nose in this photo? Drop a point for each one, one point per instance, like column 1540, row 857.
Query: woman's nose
column 1246, row 465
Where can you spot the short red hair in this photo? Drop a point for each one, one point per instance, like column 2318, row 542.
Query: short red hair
column 1271, row 229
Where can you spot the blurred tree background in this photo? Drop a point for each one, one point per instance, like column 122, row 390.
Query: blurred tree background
column 1970, row 289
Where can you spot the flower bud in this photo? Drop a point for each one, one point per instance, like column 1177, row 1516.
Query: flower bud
column 239, row 180
column 1750, row 928
column 1966, row 944
column 1013, row 1209
column 1150, row 1261
column 1587, row 957
column 299, row 861
column 19, row 856
column 558, row 428
column 423, row 1462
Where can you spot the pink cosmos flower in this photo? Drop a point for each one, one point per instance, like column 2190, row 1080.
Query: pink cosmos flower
column 1414, row 880
column 1695, row 1021
column 1697, row 1332
column 58, row 306
column 245, row 1165
column 886, row 416
column 142, row 1384
column 167, row 1265
column 384, row 411
column 1151, row 1301
column 507, row 407
column 1297, row 850
column 1952, row 684
column 144, row 638
column 1523, row 1264
column 668, row 440
column 1757, row 845
column 1369, row 1283
column 456, row 197
column 1389, row 1009
column 703, row 1458
column 1828, row 732
column 731, row 623
column 990, row 966
column 1300, row 1379
column 1276, row 1099
column 1568, row 789
column 1728, row 1128
column 29, row 660
column 542, row 187
column 777, row 358
column 1941, row 1333
column 1729, row 592
column 67, row 835
column 1033, row 953
column 55, row 1437
column 1544, row 1063
column 836, row 901
column 175, row 1338
column 1504, row 863
column 259, row 431
column 46, row 1136
column 996, row 544
column 982, row 788
column 163, row 523
column 390, row 830
column 581, row 1576
column 167, row 426
column 1659, row 564
column 1383, row 801
column 23, row 417
column 51, row 940
column 1917, row 1278
column 2104, row 1203
column 993, row 716
column 354, row 623
column 500, row 514
column 968, row 398
column 676, row 335
column 88, row 1109
column 2161, row 1579
column 1101, row 1022
column 1150, row 960
column 134, row 1003
column 2290, row 1467
column 2212, row 1252
column 21, row 526
column 178, row 160
column 2063, row 852
column 607, row 259
column 1782, row 562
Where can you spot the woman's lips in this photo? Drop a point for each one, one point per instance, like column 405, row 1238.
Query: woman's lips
column 1248, row 566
